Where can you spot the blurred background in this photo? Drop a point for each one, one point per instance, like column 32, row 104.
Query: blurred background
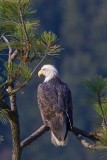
column 82, row 30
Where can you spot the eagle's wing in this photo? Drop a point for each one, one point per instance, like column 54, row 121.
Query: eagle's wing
column 65, row 103
column 60, row 97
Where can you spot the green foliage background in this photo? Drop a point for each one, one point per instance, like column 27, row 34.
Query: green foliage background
column 82, row 28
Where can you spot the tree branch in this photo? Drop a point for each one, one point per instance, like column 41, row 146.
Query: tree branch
column 78, row 131
column 7, row 111
column 95, row 146
column 43, row 58
column 11, row 55
column 10, row 49
column 25, row 82
column 4, row 106
column 14, row 54
column 34, row 136
column 80, row 134
column 22, row 21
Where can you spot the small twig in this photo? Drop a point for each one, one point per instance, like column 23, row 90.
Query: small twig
column 2, row 60
column 4, row 54
column 14, row 54
column 4, row 86
column 34, row 136
column 38, row 64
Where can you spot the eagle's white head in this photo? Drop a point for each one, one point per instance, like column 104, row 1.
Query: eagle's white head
column 49, row 71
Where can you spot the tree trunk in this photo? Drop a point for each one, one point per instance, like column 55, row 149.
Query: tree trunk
column 16, row 151
column 15, row 127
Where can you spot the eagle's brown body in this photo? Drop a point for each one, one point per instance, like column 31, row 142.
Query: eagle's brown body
column 55, row 103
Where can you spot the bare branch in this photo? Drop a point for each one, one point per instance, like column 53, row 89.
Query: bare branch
column 11, row 55
column 4, row 86
column 78, row 131
column 95, row 146
column 10, row 49
column 34, row 136
column 81, row 135
column 14, row 54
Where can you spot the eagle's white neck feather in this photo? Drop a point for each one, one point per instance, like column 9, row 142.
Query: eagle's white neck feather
column 50, row 76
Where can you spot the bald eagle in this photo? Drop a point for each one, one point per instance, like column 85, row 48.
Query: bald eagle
column 55, row 104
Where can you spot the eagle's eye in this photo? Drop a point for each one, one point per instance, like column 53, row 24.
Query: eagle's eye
column 44, row 69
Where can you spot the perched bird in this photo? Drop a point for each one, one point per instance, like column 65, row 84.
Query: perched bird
column 55, row 104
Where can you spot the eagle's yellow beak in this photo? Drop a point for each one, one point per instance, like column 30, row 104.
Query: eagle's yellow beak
column 40, row 73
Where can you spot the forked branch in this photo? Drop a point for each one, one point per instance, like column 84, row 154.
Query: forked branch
column 81, row 135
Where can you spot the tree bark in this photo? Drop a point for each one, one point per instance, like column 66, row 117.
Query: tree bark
column 16, row 152
column 15, row 128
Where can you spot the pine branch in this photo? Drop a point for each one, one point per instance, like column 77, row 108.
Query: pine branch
column 24, row 27
column 22, row 21
column 100, row 105
column 25, row 82
column 98, row 88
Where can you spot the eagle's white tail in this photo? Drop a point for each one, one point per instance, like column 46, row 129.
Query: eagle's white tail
column 56, row 142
